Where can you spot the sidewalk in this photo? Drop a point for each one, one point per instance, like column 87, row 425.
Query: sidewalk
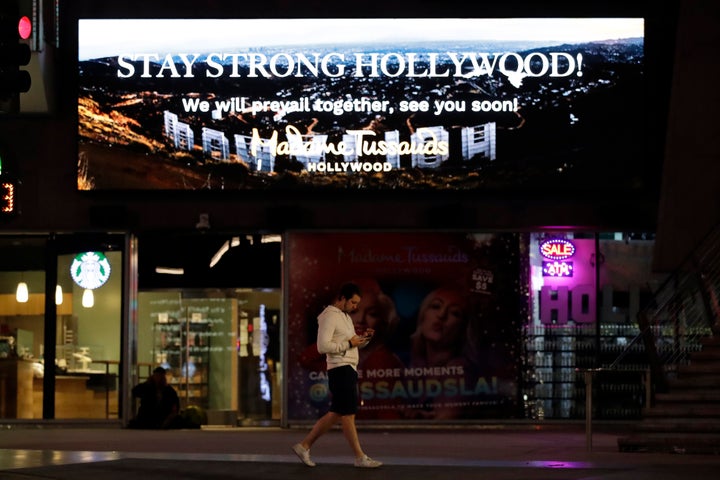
column 491, row 453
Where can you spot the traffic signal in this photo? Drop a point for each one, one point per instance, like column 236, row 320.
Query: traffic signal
column 14, row 50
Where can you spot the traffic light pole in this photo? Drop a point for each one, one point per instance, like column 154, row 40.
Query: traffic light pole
column 14, row 53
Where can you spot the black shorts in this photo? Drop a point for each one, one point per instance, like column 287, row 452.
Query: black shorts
column 343, row 385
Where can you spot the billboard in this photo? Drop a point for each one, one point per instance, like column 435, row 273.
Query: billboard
column 420, row 104
column 447, row 310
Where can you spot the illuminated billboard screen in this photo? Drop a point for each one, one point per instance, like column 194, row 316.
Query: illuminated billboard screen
column 421, row 104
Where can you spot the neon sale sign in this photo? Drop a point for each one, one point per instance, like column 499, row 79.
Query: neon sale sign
column 557, row 251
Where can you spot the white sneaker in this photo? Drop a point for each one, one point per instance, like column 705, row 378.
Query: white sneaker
column 304, row 454
column 366, row 462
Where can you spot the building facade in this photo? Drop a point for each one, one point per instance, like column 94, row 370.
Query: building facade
column 234, row 309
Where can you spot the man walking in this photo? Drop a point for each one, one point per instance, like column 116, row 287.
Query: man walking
column 336, row 338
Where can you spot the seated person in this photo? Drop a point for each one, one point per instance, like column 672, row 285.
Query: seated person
column 159, row 403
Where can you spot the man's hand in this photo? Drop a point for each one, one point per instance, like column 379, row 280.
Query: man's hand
column 362, row 340
column 366, row 337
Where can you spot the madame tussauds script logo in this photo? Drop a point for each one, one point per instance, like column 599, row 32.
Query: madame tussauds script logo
column 296, row 145
column 406, row 255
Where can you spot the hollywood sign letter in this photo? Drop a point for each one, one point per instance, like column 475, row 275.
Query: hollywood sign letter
column 577, row 304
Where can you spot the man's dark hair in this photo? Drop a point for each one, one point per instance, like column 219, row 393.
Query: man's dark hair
column 348, row 290
column 160, row 370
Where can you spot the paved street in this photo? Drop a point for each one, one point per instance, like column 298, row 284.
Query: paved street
column 491, row 453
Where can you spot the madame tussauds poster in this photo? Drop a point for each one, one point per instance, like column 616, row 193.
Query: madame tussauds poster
column 446, row 308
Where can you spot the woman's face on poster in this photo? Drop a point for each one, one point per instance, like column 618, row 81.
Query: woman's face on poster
column 369, row 313
column 442, row 318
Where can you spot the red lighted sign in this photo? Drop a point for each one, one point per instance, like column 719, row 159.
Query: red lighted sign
column 557, row 249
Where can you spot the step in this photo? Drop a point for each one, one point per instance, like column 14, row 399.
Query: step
column 703, row 444
column 711, row 355
column 700, row 368
column 695, row 381
column 678, row 425
column 711, row 341
column 692, row 395
column 683, row 410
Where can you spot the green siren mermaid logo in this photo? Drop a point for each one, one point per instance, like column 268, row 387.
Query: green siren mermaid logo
column 90, row 270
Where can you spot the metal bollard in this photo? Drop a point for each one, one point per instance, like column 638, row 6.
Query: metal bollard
column 588, row 409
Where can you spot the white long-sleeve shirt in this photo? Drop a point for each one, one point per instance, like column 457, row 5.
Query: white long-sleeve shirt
column 335, row 329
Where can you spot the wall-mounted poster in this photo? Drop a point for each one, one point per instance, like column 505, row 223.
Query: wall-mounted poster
column 447, row 310
column 421, row 104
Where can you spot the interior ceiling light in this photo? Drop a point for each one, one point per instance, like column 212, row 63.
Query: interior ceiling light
column 58, row 295
column 88, row 298
column 235, row 242
column 218, row 255
column 170, row 270
column 270, row 239
column 21, row 294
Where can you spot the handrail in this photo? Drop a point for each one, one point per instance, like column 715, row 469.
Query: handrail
column 683, row 309
column 706, row 244
column 627, row 348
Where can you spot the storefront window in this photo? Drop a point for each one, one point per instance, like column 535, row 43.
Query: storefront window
column 77, row 375
column 209, row 313
column 88, row 335
column 585, row 293
column 220, row 349
column 446, row 310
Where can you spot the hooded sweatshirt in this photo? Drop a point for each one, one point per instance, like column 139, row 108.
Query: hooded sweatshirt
column 335, row 329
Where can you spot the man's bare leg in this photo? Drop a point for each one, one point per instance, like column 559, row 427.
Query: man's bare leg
column 351, row 435
column 321, row 427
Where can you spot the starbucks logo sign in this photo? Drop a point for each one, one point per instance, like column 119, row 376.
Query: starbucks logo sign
column 90, row 270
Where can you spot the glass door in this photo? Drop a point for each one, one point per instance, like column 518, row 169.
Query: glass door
column 209, row 314
column 22, row 326
column 88, row 326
